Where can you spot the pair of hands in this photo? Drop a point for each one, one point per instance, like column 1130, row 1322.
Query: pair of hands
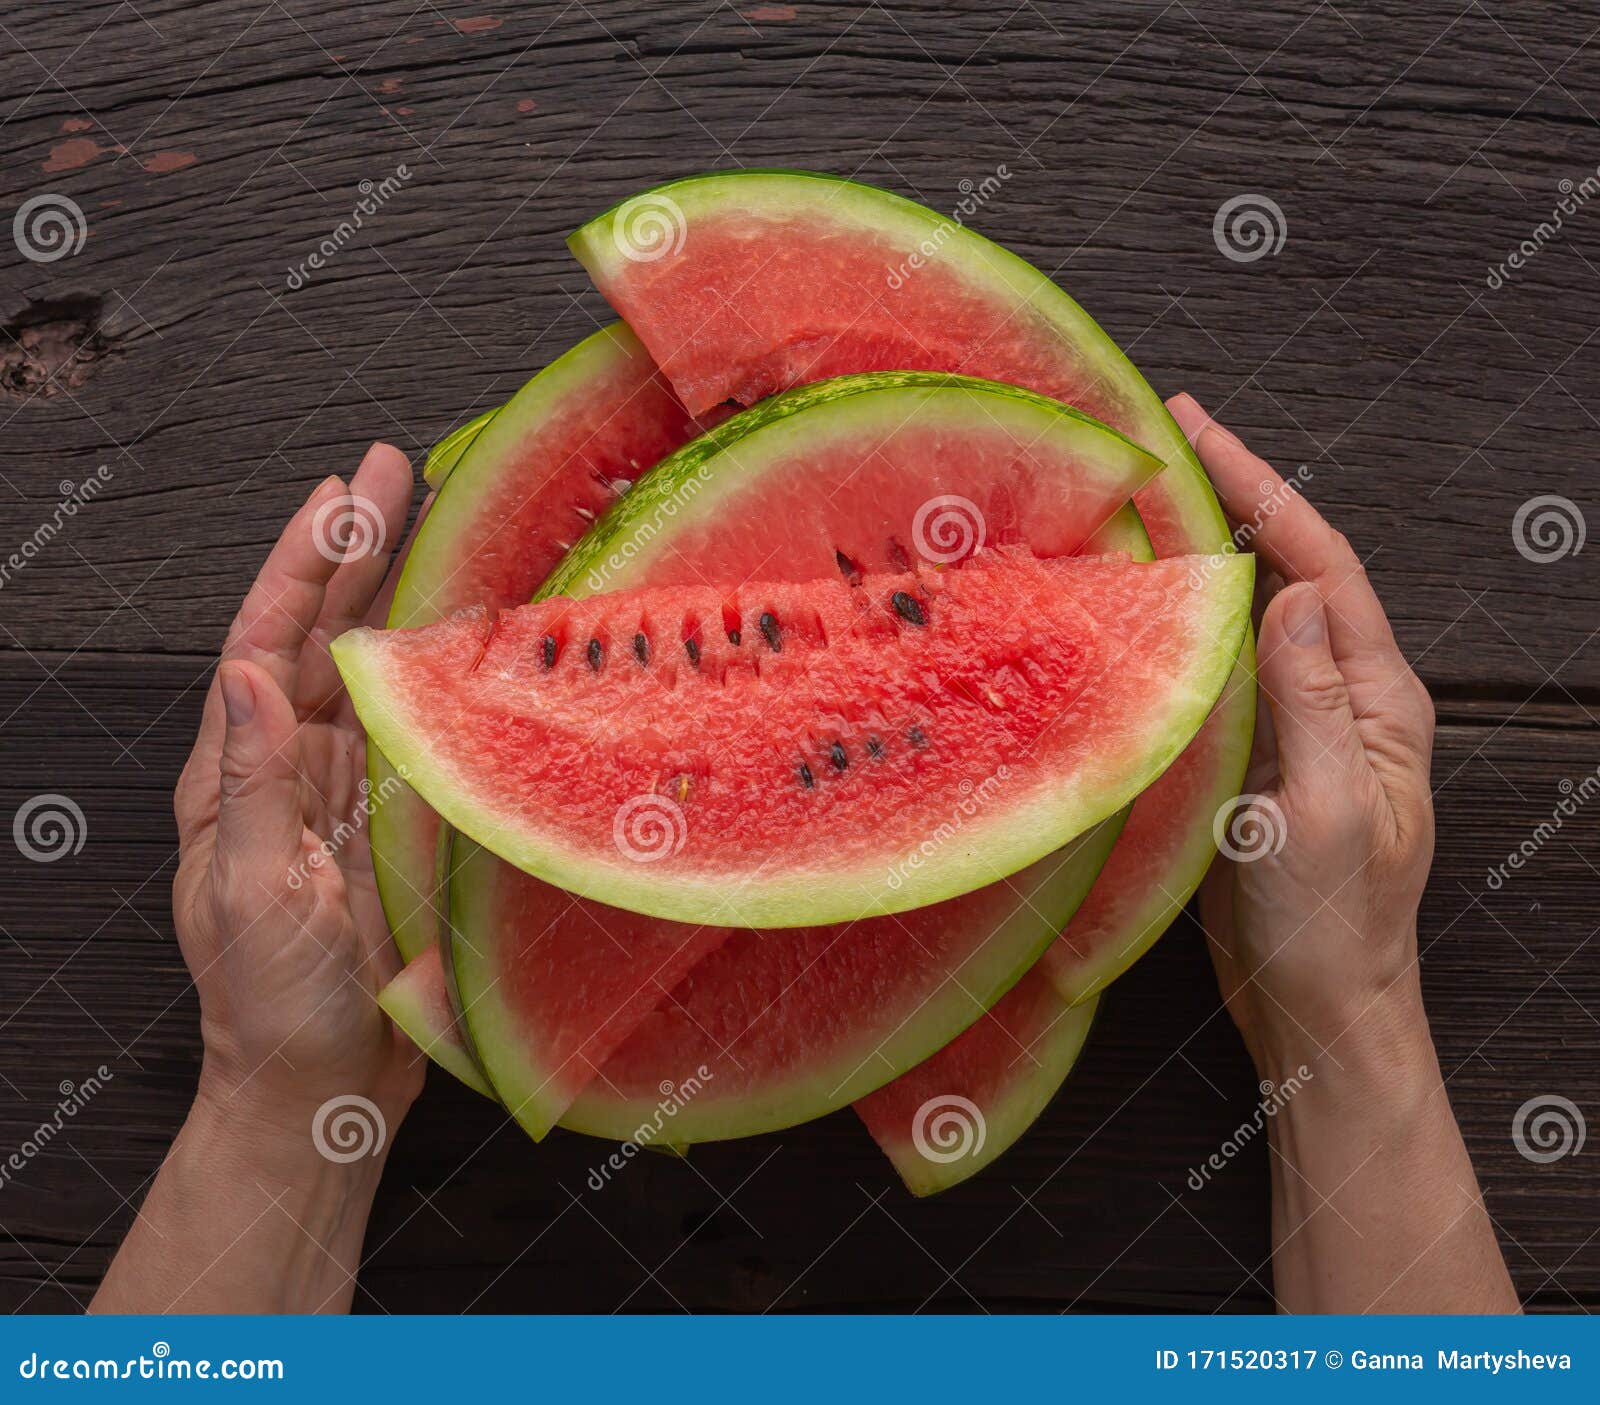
column 288, row 953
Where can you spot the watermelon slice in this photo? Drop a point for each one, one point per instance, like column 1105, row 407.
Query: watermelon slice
column 852, row 278
column 955, row 1113
column 526, row 483
column 802, row 741
column 418, row 1000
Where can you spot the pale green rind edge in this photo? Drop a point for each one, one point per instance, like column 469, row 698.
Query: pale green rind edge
column 447, row 452
column 996, row 848
column 1005, row 1124
column 399, row 1001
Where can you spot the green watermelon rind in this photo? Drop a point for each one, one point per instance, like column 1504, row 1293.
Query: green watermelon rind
column 444, row 455
column 1005, row 1120
column 400, row 1000
column 682, row 484
column 397, row 858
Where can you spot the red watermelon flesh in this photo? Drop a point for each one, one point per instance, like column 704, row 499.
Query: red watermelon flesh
column 853, row 278
column 956, row 1112
column 804, row 738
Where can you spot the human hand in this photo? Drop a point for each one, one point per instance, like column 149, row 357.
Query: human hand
column 1314, row 928
column 275, row 904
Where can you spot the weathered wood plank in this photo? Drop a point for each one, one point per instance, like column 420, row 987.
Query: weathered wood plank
column 1408, row 152
column 1091, row 1209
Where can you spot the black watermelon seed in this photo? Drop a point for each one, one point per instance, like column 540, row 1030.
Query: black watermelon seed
column 549, row 651
column 641, row 648
column 840, row 760
column 847, row 568
column 597, row 652
column 771, row 633
column 918, row 737
column 909, row 608
column 875, row 748
column 806, row 778
column 693, row 651
column 733, row 637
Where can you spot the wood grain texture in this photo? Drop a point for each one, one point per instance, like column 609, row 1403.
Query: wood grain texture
column 212, row 148
column 1091, row 1210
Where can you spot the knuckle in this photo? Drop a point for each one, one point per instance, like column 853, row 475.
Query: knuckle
column 1321, row 688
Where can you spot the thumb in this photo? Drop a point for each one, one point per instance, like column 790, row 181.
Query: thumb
column 1306, row 692
column 259, row 821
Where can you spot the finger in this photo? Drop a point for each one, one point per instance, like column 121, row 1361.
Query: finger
column 282, row 607
column 1277, row 521
column 380, row 497
column 366, row 523
column 259, row 822
column 378, row 615
column 1310, row 704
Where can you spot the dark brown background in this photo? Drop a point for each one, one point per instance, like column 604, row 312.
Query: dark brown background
column 213, row 146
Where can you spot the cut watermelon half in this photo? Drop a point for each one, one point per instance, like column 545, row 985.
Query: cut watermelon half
column 800, row 742
column 527, row 482
column 957, row 1112
column 776, row 278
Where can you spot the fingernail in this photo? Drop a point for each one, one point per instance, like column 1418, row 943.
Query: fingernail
column 238, row 697
column 1188, row 402
column 1225, row 432
column 1304, row 622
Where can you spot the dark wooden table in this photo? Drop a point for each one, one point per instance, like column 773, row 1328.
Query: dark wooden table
column 212, row 147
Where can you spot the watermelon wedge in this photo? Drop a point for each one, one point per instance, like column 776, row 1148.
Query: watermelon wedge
column 802, row 741
column 777, row 278
column 958, row 1111
column 418, row 1000
column 526, row 483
